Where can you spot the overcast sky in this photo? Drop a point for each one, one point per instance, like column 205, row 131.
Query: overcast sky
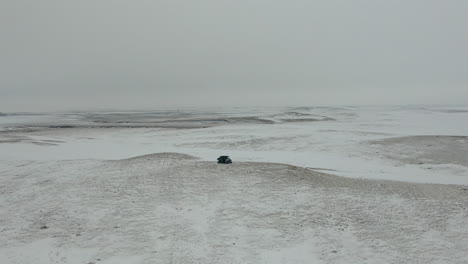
column 170, row 53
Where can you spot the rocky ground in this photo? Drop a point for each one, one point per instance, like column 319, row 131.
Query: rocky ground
column 173, row 208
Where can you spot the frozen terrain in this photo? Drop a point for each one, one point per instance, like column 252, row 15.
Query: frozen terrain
column 308, row 185
column 416, row 144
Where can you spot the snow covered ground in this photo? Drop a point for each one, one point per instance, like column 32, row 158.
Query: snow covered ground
column 345, row 140
column 76, row 188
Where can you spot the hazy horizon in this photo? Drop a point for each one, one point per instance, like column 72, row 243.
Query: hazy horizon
column 167, row 54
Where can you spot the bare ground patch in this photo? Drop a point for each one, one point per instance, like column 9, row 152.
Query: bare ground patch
column 426, row 149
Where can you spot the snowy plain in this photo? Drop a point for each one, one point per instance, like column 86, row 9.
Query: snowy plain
column 348, row 144
column 308, row 185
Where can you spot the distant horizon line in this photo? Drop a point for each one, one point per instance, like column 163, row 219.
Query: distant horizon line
column 184, row 108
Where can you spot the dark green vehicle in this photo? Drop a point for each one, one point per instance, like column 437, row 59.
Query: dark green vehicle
column 224, row 160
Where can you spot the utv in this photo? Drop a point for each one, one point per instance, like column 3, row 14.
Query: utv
column 224, row 160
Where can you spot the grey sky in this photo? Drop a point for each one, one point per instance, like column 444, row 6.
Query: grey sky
column 149, row 54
